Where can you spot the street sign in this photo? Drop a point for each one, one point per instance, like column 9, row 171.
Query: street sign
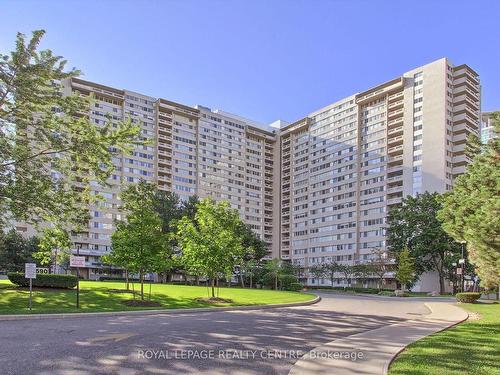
column 42, row 270
column 30, row 270
column 461, row 261
column 30, row 273
column 76, row 261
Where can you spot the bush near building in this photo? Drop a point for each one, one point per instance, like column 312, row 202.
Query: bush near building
column 468, row 297
column 43, row 280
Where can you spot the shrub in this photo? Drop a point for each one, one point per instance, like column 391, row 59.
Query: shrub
column 351, row 289
column 295, row 287
column 43, row 280
column 468, row 297
column 386, row 293
column 111, row 278
column 286, row 280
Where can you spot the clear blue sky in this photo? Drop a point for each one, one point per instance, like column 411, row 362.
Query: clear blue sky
column 261, row 59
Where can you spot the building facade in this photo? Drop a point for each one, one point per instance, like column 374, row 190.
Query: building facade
column 487, row 130
column 345, row 166
column 316, row 190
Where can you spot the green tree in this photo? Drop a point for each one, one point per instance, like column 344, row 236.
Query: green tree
column 210, row 243
column 317, row 271
column 49, row 149
column 15, row 250
column 415, row 225
column 362, row 272
column 271, row 271
column 255, row 247
column 380, row 263
column 471, row 211
column 138, row 243
column 169, row 208
column 331, row 270
column 54, row 247
column 406, row 268
column 347, row 271
column 189, row 206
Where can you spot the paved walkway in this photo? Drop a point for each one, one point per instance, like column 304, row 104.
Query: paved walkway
column 371, row 352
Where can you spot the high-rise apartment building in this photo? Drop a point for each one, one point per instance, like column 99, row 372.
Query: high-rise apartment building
column 316, row 190
column 487, row 129
column 345, row 166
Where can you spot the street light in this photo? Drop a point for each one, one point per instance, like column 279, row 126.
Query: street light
column 78, row 279
column 462, row 264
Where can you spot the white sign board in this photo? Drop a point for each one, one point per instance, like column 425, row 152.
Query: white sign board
column 76, row 261
column 30, row 270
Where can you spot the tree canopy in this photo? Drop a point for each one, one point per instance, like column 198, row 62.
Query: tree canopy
column 139, row 244
column 415, row 225
column 49, row 149
column 471, row 211
column 210, row 243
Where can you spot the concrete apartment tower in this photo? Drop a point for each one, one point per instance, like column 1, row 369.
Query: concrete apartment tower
column 487, row 130
column 345, row 166
column 316, row 190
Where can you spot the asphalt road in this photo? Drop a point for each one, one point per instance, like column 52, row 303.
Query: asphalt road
column 233, row 342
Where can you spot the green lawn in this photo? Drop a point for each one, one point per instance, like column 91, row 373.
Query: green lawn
column 471, row 348
column 103, row 296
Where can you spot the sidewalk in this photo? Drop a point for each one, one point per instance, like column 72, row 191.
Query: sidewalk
column 372, row 352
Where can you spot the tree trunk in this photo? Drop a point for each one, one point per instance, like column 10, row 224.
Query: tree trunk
column 126, row 280
column 150, row 282
column 142, row 285
column 276, row 282
column 242, row 280
column 251, row 281
column 441, row 284
column 197, row 278
column 212, row 283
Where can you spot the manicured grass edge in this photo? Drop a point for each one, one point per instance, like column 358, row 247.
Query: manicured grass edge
column 49, row 315
column 388, row 365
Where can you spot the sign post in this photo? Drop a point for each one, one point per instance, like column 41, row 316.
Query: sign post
column 30, row 273
column 77, row 261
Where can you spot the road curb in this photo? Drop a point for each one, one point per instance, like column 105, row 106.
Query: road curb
column 154, row 312
column 379, row 346
column 410, row 298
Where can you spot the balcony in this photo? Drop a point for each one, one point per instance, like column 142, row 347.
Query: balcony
column 395, row 140
column 396, row 113
column 396, row 96
column 395, row 168
column 398, row 177
column 395, row 189
column 395, row 105
column 395, row 122
column 395, row 131
column 395, row 158
column 394, row 201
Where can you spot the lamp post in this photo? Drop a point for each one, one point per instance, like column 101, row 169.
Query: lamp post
column 454, row 276
column 462, row 264
column 78, row 279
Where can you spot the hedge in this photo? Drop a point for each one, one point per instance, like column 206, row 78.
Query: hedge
column 294, row 287
column 352, row 289
column 44, row 280
column 111, row 278
column 469, row 297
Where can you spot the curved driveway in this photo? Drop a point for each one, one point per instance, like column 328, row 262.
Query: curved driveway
column 220, row 342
